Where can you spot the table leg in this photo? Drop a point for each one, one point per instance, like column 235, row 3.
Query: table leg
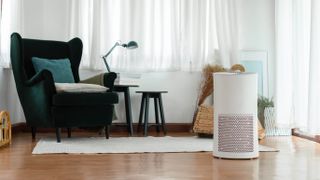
column 156, row 113
column 163, row 122
column 128, row 110
column 141, row 112
column 146, row 116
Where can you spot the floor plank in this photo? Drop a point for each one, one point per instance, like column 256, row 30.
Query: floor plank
column 298, row 159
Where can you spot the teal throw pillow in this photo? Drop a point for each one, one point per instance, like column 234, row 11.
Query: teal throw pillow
column 60, row 68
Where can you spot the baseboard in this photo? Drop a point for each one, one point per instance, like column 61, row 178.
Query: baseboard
column 18, row 127
column 116, row 127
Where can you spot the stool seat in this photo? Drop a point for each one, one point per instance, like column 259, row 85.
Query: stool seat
column 152, row 92
column 144, row 110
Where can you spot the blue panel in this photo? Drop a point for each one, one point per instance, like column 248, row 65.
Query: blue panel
column 257, row 67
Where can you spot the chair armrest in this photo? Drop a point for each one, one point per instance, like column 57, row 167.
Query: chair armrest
column 38, row 93
column 44, row 77
column 108, row 80
column 103, row 79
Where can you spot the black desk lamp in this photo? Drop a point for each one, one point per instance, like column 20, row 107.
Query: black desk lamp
column 130, row 45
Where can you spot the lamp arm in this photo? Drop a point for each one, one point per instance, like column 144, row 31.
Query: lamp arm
column 106, row 63
column 109, row 52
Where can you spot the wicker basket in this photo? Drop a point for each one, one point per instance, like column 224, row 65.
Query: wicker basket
column 204, row 120
column 261, row 131
column 5, row 128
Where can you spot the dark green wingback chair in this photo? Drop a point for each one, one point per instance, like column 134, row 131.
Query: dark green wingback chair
column 42, row 105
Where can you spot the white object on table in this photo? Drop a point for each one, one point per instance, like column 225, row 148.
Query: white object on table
column 128, row 79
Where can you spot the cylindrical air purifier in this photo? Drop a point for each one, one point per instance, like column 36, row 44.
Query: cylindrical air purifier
column 235, row 115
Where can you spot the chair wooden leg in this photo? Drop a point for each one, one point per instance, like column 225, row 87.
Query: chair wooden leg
column 58, row 134
column 33, row 132
column 107, row 131
column 69, row 132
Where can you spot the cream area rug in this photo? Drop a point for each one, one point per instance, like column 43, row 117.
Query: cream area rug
column 99, row 145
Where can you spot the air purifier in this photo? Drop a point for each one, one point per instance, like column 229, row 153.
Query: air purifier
column 235, row 116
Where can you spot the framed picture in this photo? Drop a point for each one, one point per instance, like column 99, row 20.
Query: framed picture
column 257, row 61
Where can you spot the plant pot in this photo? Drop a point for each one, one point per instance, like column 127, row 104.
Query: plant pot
column 270, row 124
column 269, row 120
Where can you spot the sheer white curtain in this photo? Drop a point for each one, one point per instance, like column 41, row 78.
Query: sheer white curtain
column 172, row 34
column 227, row 31
column 11, row 21
column 297, row 64
column 151, row 23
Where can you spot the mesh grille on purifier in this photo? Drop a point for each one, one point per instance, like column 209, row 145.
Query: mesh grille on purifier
column 235, row 133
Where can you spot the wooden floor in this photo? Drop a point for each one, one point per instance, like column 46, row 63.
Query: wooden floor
column 298, row 159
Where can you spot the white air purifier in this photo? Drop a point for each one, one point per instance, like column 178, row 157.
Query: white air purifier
column 235, row 116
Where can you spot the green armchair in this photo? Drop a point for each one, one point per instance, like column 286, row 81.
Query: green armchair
column 42, row 105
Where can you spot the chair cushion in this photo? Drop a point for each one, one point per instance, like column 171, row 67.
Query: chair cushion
column 60, row 68
column 85, row 99
column 79, row 87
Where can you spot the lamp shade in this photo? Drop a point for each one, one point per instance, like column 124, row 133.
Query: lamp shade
column 235, row 115
column 131, row 45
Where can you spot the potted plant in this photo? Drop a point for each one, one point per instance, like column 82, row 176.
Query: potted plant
column 263, row 104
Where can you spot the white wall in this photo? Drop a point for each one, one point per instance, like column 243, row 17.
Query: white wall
column 8, row 96
column 47, row 19
column 3, row 90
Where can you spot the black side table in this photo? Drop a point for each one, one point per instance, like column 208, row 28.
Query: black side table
column 125, row 89
column 146, row 95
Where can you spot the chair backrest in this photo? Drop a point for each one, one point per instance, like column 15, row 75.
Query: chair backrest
column 46, row 49
column 37, row 106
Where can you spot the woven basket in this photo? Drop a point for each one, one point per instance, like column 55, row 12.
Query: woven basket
column 204, row 120
column 261, row 131
column 5, row 128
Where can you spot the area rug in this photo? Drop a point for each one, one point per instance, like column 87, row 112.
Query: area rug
column 100, row 145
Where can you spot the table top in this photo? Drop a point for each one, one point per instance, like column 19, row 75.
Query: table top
column 126, row 85
column 151, row 91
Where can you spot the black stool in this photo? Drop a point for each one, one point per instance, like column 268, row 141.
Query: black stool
column 145, row 109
